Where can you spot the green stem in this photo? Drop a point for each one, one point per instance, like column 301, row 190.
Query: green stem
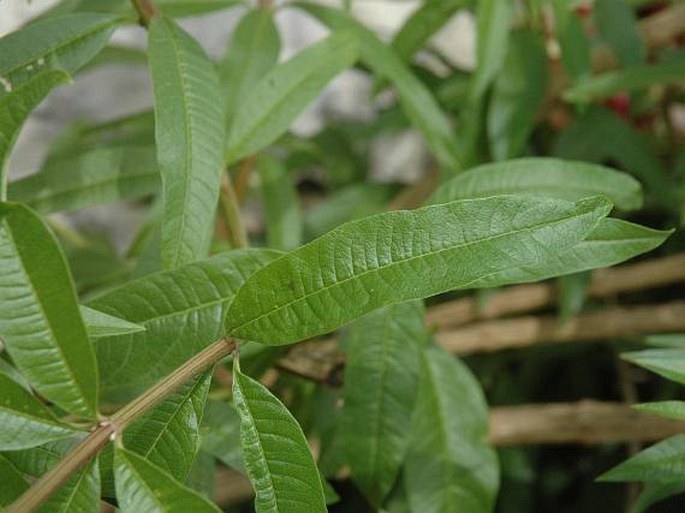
column 111, row 428
column 231, row 213
column 146, row 10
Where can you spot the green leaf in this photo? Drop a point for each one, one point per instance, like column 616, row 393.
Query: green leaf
column 99, row 324
column 542, row 176
column 612, row 241
column 12, row 484
column 663, row 461
column 190, row 136
column 25, row 421
column 65, row 43
column 36, row 461
column 80, row 494
column 572, row 291
column 655, row 491
column 168, row 435
column 518, row 93
column 276, row 454
column 39, row 320
column 381, row 382
column 98, row 177
column 416, row 99
column 253, row 50
column 181, row 311
column 221, row 434
column 16, row 106
column 669, row 363
column 268, row 109
column 403, row 255
column 144, row 487
column 617, row 25
column 280, row 204
column 493, row 19
column 609, row 83
column 450, row 468
column 669, row 409
column 194, row 7
column 574, row 43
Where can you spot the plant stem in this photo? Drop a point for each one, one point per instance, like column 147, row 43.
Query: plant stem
column 231, row 213
column 146, row 10
column 109, row 429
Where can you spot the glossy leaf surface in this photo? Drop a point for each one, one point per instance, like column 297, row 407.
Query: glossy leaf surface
column 277, row 457
column 99, row 324
column 190, row 136
column 398, row 256
column 40, row 322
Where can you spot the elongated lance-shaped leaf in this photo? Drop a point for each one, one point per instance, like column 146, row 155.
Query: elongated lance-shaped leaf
column 64, row 42
column 80, row 494
column 268, row 110
column 416, row 99
column 655, row 491
column 664, row 461
column 612, row 82
column 25, row 421
column 669, row 363
column 98, row 177
column 144, row 487
column 189, row 131
column 398, row 256
column 574, row 43
column 168, row 435
column 668, row 409
column 16, row 106
column 617, row 25
column 494, row 18
column 381, row 381
column 611, row 242
column 99, row 324
column 181, row 311
column 40, row 322
column 12, row 484
column 542, row 176
column 253, row 50
column 277, row 457
column 449, row 467
column 280, row 204
column 220, row 434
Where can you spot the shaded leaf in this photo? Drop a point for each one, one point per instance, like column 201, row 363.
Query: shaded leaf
column 381, row 382
column 403, row 255
column 268, row 110
column 168, row 435
column 190, row 136
column 276, row 454
column 493, row 20
column 668, row 409
column 655, row 491
column 572, row 290
column 12, row 484
column 80, row 494
column 221, row 434
column 450, row 467
column 575, row 46
column 669, row 363
column 25, row 421
column 144, row 487
column 99, row 324
column 181, row 311
column 40, row 322
column 663, row 461
column 617, row 25
column 98, row 177
column 543, row 176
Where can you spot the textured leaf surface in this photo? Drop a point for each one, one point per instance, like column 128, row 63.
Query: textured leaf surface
column 168, row 435
column 277, row 457
column 663, row 461
column 40, row 322
column 38, row 460
column 181, row 311
column 611, row 242
column 416, row 99
column 270, row 107
column 143, row 487
column 398, row 256
column 80, row 494
column 25, row 421
column 280, row 204
column 253, row 50
column 221, row 434
column 98, row 177
column 381, row 381
column 190, row 135
column 16, row 106
column 541, row 176
column 669, row 363
column 99, row 324
column 450, row 468
column 64, row 42
column 669, row 409
column 12, row 484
